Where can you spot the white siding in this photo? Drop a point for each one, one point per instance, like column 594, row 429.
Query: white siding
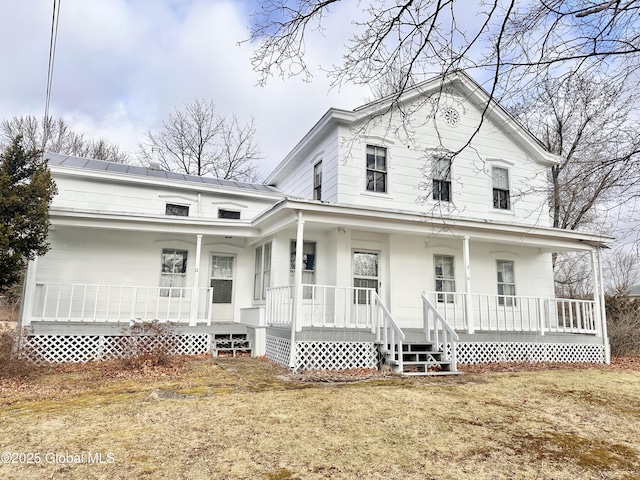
column 409, row 171
column 108, row 196
column 299, row 182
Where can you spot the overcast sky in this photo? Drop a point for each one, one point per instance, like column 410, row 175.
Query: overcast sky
column 121, row 66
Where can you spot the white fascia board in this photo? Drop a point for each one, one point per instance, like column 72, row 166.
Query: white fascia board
column 409, row 222
column 333, row 117
column 123, row 178
column 149, row 223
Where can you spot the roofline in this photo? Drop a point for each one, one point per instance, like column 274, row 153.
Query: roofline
column 127, row 178
column 476, row 93
column 387, row 215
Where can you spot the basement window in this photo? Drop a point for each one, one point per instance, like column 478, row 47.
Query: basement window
column 228, row 214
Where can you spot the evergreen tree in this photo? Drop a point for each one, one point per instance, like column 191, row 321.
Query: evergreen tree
column 26, row 190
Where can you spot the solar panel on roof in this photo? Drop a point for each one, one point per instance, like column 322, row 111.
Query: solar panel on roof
column 117, row 167
column 156, row 173
column 137, row 170
column 96, row 165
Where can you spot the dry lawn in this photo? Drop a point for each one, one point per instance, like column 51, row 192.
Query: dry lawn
column 247, row 419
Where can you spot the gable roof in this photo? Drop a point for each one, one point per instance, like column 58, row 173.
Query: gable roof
column 463, row 83
column 87, row 164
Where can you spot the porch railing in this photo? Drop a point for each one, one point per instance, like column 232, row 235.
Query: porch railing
column 77, row 302
column 516, row 313
column 323, row 306
column 437, row 330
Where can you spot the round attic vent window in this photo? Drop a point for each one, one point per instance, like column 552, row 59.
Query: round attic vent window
column 452, row 117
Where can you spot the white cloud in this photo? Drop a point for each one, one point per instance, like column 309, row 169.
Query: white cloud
column 123, row 66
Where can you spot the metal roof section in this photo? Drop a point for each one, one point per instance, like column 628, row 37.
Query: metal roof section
column 56, row 159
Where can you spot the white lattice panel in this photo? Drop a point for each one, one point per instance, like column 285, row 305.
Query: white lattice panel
column 335, row 355
column 84, row 348
column 487, row 352
column 278, row 350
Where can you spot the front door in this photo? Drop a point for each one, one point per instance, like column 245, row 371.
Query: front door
column 365, row 276
column 222, row 278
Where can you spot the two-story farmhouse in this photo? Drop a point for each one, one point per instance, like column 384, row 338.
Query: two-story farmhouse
column 418, row 227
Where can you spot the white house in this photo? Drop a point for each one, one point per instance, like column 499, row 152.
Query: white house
column 418, row 226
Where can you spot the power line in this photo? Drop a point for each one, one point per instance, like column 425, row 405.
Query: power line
column 52, row 56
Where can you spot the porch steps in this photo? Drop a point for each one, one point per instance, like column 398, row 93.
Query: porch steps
column 230, row 345
column 420, row 359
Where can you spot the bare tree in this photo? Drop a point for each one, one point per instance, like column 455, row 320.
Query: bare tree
column 200, row 141
column 589, row 123
column 513, row 41
column 621, row 272
column 55, row 136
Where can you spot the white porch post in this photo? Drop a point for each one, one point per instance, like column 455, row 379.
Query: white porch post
column 603, row 311
column 468, row 304
column 193, row 315
column 296, row 320
column 28, row 294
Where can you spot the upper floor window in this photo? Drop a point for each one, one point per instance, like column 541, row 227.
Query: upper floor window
column 506, row 282
column 317, row 181
column 229, row 214
column 376, row 169
column 179, row 210
column 442, row 179
column 500, row 182
column 173, row 273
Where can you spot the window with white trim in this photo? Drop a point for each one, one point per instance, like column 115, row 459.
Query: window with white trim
column 176, row 210
column 173, row 274
column 308, row 266
column 500, row 183
column 506, row 282
column 228, row 214
column 262, row 272
column 376, row 169
column 317, row 181
column 441, row 172
column 445, row 278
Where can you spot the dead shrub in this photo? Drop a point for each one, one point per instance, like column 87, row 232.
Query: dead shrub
column 12, row 363
column 149, row 344
column 623, row 325
column 9, row 308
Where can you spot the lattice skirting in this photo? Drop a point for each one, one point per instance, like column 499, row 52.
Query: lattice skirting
column 480, row 352
column 84, row 348
column 278, row 350
column 335, row 355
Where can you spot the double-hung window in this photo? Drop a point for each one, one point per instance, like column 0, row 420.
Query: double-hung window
column 500, row 182
column 442, row 179
column 308, row 266
column 262, row 272
column 506, row 283
column 445, row 279
column 376, row 169
column 173, row 273
column 317, row 181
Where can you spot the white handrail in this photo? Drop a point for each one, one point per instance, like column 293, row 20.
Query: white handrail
column 432, row 329
column 388, row 332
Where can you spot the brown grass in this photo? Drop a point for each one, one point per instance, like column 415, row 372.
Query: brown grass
column 247, row 419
